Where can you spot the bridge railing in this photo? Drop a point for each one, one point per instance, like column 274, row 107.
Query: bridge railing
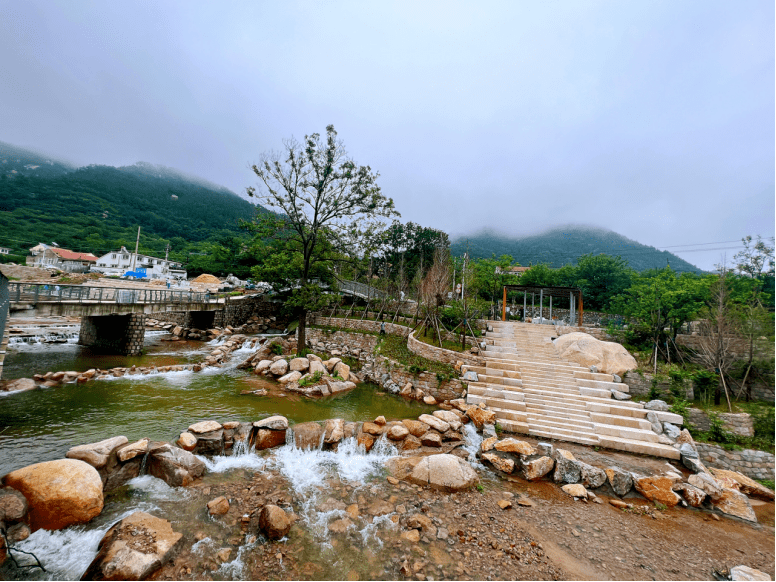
column 48, row 293
column 361, row 289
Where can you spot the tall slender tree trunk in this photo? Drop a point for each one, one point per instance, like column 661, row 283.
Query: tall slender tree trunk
column 301, row 332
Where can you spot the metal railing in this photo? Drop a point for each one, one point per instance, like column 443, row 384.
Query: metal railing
column 361, row 290
column 48, row 293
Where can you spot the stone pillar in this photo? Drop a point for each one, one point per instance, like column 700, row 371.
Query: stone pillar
column 117, row 334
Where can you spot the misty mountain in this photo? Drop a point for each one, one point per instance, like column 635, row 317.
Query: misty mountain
column 16, row 161
column 563, row 245
column 97, row 208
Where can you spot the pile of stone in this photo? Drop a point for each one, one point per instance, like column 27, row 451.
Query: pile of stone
column 309, row 375
column 725, row 491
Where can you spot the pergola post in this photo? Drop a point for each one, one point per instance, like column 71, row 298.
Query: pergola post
column 525, row 299
column 581, row 309
column 533, row 306
column 550, row 309
column 541, row 305
column 504, row 306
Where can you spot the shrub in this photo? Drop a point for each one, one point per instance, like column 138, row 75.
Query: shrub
column 682, row 408
column 654, row 391
column 276, row 349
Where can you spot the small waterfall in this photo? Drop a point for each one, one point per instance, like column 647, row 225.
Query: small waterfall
column 473, row 441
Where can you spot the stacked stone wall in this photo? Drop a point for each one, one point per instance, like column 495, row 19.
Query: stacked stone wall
column 740, row 424
column 441, row 355
column 123, row 334
column 379, row 369
column 753, row 464
column 238, row 311
column 178, row 317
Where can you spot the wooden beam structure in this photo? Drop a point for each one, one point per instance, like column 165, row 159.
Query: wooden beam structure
column 570, row 293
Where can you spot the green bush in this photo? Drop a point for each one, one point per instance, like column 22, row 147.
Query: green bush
column 654, row 391
column 681, row 407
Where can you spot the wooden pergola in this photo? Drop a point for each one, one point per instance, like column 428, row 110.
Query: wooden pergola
column 574, row 295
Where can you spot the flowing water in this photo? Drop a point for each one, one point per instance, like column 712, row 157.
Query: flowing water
column 42, row 424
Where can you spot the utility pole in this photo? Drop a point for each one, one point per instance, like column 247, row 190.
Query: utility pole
column 137, row 244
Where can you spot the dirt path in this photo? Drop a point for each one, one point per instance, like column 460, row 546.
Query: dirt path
column 544, row 535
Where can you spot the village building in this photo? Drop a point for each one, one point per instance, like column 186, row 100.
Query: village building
column 5, row 251
column 517, row 271
column 123, row 262
column 48, row 256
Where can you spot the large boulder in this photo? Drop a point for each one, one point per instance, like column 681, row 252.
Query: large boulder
column 434, row 422
column 307, row 435
column 445, row 472
column 96, row 454
column 621, row 481
column 174, row 466
column 416, row 428
column 745, row 484
column 19, row 385
column 279, row 368
column 592, row 477
column 510, row 445
column 734, row 503
column 567, row 468
column 264, row 438
column 299, row 365
column 657, row 488
column 480, row 417
column 134, row 548
column 274, row 522
column 584, row 349
column 692, row 495
column 502, row 463
column 535, row 469
column 334, row 431
column 59, row 493
column 13, row 505
column 272, row 423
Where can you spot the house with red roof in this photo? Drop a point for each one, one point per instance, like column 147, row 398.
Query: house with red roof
column 50, row 256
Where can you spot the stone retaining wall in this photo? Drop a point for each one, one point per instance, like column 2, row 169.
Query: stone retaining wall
column 753, row 464
column 596, row 332
column 379, row 369
column 416, row 346
column 740, row 424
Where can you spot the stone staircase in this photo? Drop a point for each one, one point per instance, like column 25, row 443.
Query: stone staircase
column 533, row 391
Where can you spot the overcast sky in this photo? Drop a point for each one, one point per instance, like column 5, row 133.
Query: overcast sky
column 654, row 119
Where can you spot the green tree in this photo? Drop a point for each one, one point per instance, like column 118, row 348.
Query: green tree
column 326, row 202
column 601, row 278
column 659, row 303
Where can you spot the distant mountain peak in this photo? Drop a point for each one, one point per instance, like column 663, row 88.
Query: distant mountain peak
column 564, row 244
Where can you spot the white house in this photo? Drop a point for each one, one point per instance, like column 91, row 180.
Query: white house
column 122, row 261
column 5, row 251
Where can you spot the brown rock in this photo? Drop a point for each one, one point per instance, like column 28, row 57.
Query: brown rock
column 59, row 493
column 365, row 440
column 431, row 439
column 340, row 526
column 618, row 504
column 488, row 444
column 504, row 504
column 307, row 435
column 372, row 428
column 187, row 441
column 575, row 490
column 272, row 423
column 503, row 464
column 510, row 445
column 692, row 495
column 398, row 432
column 352, row 511
column 412, row 536
column 13, row 505
column 174, row 466
column 134, row 548
column 445, row 472
column 96, row 454
column 416, row 428
column 264, row 438
column 436, row 423
column 334, row 431
column 735, row 503
column 131, row 451
column 218, row 506
column 205, row 426
column 274, row 522
column 411, row 443
column 745, row 484
column 657, row 488
column 535, row 469
column 430, row 400
column 480, row 417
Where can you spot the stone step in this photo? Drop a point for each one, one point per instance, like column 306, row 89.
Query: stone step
column 494, row 372
column 549, row 411
column 626, row 421
column 595, row 392
column 561, row 423
column 550, row 435
column 641, row 447
column 507, row 366
column 496, row 392
column 608, row 386
column 513, row 426
column 560, row 402
column 509, row 414
column 583, row 375
column 492, row 401
column 500, row 380
column 635, row 434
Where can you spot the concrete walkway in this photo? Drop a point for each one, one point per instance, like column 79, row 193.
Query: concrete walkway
column 534, row 391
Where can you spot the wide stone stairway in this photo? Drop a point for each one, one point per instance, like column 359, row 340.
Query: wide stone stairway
column 534, row 391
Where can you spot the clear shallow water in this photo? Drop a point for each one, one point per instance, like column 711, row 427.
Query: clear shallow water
column 42, row 424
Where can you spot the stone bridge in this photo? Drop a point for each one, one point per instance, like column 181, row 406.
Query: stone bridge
column 113, row 318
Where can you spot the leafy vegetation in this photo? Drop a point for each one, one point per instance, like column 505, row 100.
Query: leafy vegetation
column 395, row 348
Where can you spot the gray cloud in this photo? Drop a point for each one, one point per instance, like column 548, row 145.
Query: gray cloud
column 655, row 119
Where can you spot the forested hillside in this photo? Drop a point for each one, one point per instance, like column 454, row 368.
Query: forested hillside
column 98, row 209
column 563, row 245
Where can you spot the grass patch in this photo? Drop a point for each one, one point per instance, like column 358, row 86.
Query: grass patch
column 395, row 348
column 431, row 339
column 766, row 483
